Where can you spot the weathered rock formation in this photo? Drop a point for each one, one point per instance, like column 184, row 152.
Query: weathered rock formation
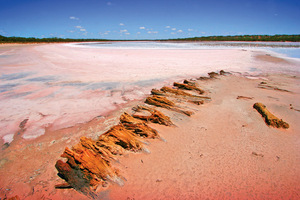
column 188, row 87
column 89, row 163
column 265, row 85
column 270, row 119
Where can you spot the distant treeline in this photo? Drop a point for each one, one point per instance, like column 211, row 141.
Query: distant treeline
column 279, row 38
column 4, row 39
column 267, row 38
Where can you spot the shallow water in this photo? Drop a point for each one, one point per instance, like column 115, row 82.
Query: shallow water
column 289, row 49
column 56, row 86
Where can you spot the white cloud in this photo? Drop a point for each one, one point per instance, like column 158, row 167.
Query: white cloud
column 179, row 31
column 82, row 29
column 168, row 26
column 138, row 33
column 190, row 29
column 173, row 33
column 71, row 31
column 121, row 24
column 173, row 29
column 152, row 32
column 127, row 33
column 123, row 31
column 74, row 18
column 109, row 3
column 142, row 27
column 78, row 27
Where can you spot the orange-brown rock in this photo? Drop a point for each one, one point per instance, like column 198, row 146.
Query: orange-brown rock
column 199, row 102
column 88, row 162
column 243, row 97
column 188, row 87
column 154, row 117
column 264, row 85
column 123, row 137
column 157, row 92
column 192, row 83
column 213, row 74
column 175, row 91
column 223, row 73
column 270, row 119
column 139, row 127
column 165, row 103
column 74, row 177
column 159, row 101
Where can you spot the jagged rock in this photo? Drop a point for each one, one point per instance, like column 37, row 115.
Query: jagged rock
column 165, row 103
column 138, row 126
column 74, row 177
column 157, row 92
column 175, row 91
column 223, row 73
column 199, row 102
column 195, row 99
column 187, row 87
column 264, row 85
column 88, row 163
column 203, row 78
column 123, row 137
column 23, row 124
column 192, row 83
column 243, row 97
column 270, row 119
column 213, row 74
column 63, row 186
column 155, row 117
column 159, row 101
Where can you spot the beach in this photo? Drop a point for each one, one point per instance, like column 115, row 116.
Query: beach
column 53, row 94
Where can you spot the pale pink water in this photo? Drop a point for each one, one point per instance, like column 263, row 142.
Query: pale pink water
column 57, row 86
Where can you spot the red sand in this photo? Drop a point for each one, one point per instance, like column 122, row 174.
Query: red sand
column 209, row 155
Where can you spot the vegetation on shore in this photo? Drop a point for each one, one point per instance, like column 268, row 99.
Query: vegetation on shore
column 263, row 38
column 4, row 39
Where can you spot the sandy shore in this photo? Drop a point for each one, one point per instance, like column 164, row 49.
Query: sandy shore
column 66, row 93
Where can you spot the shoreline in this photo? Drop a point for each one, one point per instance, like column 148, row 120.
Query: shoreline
column 41, row 177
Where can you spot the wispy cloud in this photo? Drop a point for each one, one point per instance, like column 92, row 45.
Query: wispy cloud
column 104, row 33
column 74, row 18
column 81, row 29
column 123, row 31
column 152, row 32
column 121, row 24
column 168, row 27
column 190, row 29
column 142, row 27
column 173, row 29
column 109, row 3
column 179, row 31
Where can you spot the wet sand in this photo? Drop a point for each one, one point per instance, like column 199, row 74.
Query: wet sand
column 209, row 155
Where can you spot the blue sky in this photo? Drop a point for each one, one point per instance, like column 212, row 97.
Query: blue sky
column 147, row 19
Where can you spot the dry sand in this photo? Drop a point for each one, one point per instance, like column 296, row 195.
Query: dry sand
column 223, row 151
